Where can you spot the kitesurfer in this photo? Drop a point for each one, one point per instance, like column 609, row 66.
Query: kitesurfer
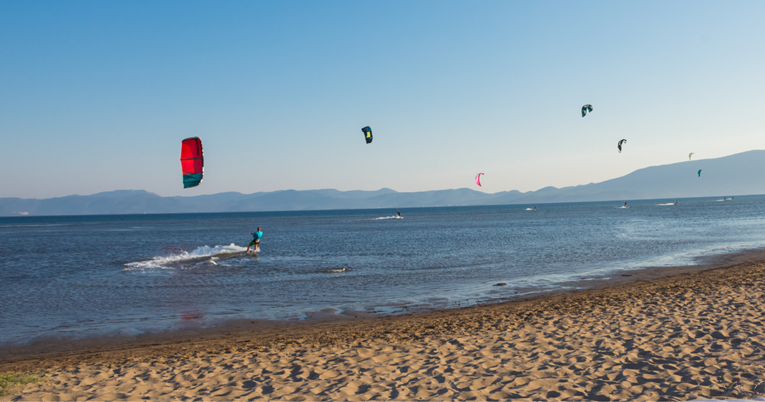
column 677, row 202
column 399, row 214
column 625, row 204
column 255, row 241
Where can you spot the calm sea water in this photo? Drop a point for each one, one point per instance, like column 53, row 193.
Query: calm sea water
column 94, row 275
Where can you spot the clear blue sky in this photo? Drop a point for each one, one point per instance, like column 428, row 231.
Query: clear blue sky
column 97, row 95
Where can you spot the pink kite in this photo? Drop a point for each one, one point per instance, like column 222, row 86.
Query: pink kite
column 478, row 179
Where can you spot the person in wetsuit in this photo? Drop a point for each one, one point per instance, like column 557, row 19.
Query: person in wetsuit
column 255, row 241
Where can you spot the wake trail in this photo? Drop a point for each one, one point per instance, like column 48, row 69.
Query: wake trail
column 200, row 253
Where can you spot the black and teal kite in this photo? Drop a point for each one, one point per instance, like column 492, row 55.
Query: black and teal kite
column 619, row 145
column 585, row 109
column 367, row 134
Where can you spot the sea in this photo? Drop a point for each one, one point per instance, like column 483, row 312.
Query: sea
column 84, row 276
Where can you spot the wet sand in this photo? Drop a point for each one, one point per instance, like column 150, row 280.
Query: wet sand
column 644, row 337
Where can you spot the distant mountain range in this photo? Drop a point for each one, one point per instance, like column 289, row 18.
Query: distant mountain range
column 739, row 174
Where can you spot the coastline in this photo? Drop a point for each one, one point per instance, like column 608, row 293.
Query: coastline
column 665, row 333
column 55, row 348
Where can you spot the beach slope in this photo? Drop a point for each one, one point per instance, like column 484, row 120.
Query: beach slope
column 674, row 338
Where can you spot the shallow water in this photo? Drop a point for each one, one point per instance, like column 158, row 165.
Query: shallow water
column 93, row 275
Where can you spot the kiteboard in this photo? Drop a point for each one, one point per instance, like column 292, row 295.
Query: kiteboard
column 336, row 270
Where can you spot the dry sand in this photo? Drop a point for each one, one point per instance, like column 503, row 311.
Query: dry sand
column 677, row 338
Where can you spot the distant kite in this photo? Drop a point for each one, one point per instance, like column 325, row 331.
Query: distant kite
column 699, row 172
column 585, row 109
column 192, row 161
column 367, row 134
column 689, row 155
column 619, row 145
column 478, row 179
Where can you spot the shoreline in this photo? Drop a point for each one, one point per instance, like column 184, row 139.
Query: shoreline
column 107, row 343
column 49, row 350
column 678, row 337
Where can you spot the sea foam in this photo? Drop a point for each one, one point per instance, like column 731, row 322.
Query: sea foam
column 203, row 252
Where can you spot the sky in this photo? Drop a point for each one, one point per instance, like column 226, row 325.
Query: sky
column 97, row 96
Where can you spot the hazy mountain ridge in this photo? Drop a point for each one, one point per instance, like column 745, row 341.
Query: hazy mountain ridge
column 738, row 174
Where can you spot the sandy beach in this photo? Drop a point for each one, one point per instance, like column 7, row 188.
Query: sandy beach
column 689, row 335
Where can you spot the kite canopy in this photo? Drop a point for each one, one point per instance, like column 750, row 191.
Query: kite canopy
column 478, row 179
column 699, row 172
column 367, row 134
column 689, row 155
column 585, row 109
column 619, row 145
column 192, row 161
